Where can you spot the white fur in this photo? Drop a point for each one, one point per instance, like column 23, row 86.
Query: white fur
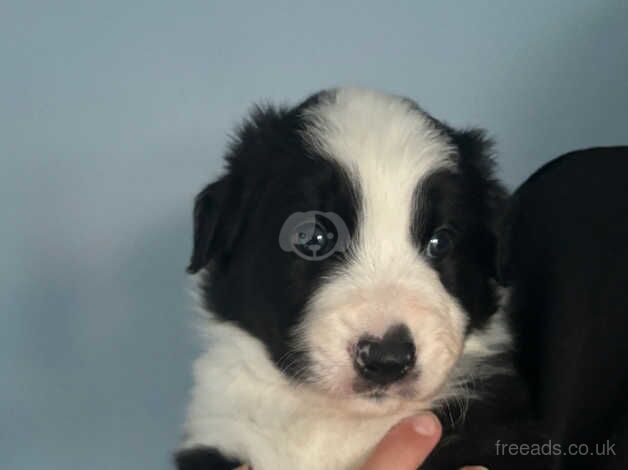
column 244, row 406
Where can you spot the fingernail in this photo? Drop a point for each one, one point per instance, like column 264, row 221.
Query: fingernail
column 425, row 424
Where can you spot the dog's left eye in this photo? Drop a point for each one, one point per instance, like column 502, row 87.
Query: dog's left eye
column 439, row 244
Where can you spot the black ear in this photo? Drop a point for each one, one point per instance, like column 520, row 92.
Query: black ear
column 206, row 221
column 476, row 152
column 218, row 219
column 476, row 159
column 221, row 209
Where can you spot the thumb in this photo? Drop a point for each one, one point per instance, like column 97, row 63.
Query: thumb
column 406, row 445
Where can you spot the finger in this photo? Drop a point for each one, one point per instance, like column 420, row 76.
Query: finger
column 242, row 467
column 474, row 467
column 406, row 445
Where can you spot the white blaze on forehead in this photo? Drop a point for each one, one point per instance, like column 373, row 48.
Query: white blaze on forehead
column 387, row 146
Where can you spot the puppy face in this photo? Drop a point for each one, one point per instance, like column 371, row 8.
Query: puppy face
column 353, row 236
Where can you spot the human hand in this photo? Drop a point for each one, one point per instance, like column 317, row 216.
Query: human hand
column 406, row 445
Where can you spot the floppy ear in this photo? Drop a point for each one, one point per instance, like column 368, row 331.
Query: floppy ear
column 221, row 209
column 206, row 221
column 476, row 156
column 476, row 151
column 218, row 219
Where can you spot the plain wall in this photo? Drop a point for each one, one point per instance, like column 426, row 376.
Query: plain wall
column 114, row 114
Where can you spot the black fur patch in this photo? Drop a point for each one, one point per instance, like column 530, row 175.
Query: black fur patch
column 271, row 173
column 469, row 202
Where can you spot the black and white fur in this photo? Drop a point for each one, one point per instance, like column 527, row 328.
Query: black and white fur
column 277, row 387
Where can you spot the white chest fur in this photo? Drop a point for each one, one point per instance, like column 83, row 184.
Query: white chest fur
column 243, row 406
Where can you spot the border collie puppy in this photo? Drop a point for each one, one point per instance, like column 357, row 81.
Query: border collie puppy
column 345, row 261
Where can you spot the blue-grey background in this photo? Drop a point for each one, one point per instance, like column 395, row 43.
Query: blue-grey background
column 113, row 114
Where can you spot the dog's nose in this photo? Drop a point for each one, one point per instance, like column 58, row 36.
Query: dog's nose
column 385, row 360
